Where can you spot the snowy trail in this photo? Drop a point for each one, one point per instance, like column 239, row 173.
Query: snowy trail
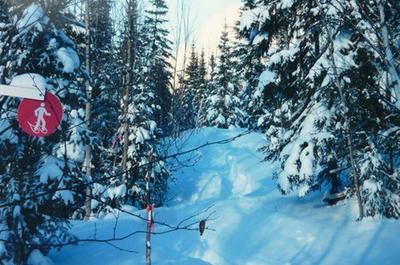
column 254, row 223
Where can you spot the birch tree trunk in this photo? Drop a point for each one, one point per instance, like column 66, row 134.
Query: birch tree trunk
column 88, row 107
column 389, row 58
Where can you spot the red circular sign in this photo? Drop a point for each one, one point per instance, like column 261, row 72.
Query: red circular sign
column 40, row 118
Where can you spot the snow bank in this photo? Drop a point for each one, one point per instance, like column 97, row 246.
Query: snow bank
column 37, row 258
column 254, row 224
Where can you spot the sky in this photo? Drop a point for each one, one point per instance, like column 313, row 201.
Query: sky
column 207, row 19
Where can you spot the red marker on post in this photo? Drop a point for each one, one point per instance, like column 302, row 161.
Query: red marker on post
column 150, row 216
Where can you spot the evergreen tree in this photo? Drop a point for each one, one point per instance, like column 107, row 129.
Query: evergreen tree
column 105, row 72
column 225, row 60
column 146, row 51
column 194, row 90
column 201, row 89
column 209, row 87
column 212, row 67
column 188, row 91
column 40, row 177
column 250, row 55
column 156, row 96
column 222, row 106
column 3, row 11
column 377, row 54
column 319, row 93
column 158, row 61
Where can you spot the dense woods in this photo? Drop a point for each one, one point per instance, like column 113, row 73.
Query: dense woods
column 321, row 80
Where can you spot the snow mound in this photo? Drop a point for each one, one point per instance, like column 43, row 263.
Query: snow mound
column 254, row 224
column 37, row 258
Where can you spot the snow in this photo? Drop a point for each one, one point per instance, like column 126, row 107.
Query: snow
column 66, row 196
column 214, row 99
column 220, row 119
column 254, row 224
column 30, row 80
column 266, row 78
column 37, row 258
column 69, row 59
column 371, row 186
column 283, row 55
column 298, row 154
column 286, row 4
column 246, row 19
column 51, row 170
column 260, row 38
column 115, row 192
column 3, row 250
column 74, row 148
column 33, row 16
column 141, row 135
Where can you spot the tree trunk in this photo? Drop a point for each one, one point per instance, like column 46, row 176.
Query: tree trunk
column 126, row 126
column 389, row 58
column 128, row 81
column 88, row 151
column 348, row 134
column 149, row 213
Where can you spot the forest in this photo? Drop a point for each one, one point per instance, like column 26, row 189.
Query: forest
column 312, row 85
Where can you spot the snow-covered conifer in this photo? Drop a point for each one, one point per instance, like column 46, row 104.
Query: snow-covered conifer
column 320, row 84
column 222, row 105
column 188, row 91
column 41, row 182
column 146, row 116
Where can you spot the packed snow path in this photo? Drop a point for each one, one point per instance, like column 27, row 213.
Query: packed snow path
column 254, row 224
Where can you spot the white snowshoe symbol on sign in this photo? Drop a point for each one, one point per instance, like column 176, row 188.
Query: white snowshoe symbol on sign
column 40, row 126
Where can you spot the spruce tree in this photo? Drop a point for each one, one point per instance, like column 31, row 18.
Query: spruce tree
column 159, row 68
column 213, row 67
column 225, row 59
column 148, row 105
column 105, row 79
column 188, row 91
column 377, row 54
column 222, row 106
column 104, row 71
column 322, row 103
column 41, row 183
column 3, row 12
column 249, row 66
column 201, row 89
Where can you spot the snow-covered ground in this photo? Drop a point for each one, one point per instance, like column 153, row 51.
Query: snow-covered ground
column 254, row 224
